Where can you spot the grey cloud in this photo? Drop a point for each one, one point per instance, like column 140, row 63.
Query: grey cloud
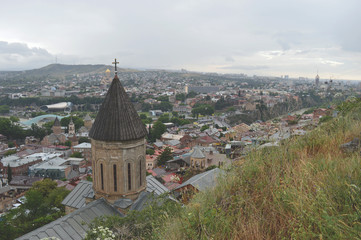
column 19, row 56
column 229, row 59
column 21, row 49
column 202, row 35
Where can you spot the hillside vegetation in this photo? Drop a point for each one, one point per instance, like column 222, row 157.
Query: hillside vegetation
column 305, row 189
column 62, row 70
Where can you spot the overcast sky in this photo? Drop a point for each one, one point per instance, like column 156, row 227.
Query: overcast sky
column 262, row 37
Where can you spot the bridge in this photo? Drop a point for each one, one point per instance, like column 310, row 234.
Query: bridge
column 41, row 118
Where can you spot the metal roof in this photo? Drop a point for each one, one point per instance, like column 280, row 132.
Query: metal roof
column 144, row 199
column 75, row 198
column 153, row 185
column 117, row 119
column 5, row 189
column 74, row 225
column 123, row 203
column 203, row 181
column 83, row 145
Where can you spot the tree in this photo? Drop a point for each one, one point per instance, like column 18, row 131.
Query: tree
column 10, row 174
column 55, row 197
column 175, row 114
column 37, row 131
column 148, row 120
column 164, row 118
column 165, row 156
column 204, row 127
column 11, row 130
column 4, row 109
column 42, row 205
column 76, row 155
column 164, row 106
column 146, row 107
column 158, row 129
column 11, row 145
column 231, row 109
column 149, row 151
column 67, row 143
column 203, row 109
column 9, row 152
column 163, row 98
column 221, row 103
column 180, row 97
column 45, row 186
column 191, row 94
column 48, row 127
column 14, row 119
column 84, row 139
column 143, row 116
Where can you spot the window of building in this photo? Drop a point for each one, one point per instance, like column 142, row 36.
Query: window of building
column 115, row 177
column 140, row 172
column 101, row 175
column 129, row 178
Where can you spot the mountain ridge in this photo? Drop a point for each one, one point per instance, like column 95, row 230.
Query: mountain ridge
column 61, row 70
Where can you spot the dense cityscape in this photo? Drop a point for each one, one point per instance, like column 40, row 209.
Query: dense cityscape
column 179, row 120
column 196, row 123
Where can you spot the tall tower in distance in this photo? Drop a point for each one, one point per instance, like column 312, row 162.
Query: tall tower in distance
column 118, row 147
column 317, row 80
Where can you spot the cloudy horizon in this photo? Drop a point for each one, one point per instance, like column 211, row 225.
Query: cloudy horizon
column 273, row 38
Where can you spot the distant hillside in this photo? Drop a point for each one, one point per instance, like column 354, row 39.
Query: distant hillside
column 61, row 70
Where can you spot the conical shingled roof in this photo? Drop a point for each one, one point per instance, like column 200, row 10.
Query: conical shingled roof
column 87, row 118
column 117, row 119
column 56, row 122
column 197, row 153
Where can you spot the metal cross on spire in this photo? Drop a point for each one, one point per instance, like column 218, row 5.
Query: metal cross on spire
column 115, row 62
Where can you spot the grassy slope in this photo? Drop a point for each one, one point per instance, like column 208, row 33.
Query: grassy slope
column 305, row 189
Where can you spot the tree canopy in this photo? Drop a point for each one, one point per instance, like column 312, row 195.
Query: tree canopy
column 203, row 109
column 156, row 132
column 165, row 156
column 42, row 205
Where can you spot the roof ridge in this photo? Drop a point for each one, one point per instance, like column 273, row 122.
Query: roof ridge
column 203, row 175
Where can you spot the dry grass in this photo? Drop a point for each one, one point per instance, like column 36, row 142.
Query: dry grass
column 306, row 189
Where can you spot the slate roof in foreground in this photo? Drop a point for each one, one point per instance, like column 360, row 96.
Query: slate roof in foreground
column 153, row 185
column 203, row 181
column 75, row 198
column 117, row 119
column 74, row 225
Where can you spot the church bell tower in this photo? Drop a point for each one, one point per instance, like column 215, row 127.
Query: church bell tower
column 118, row 147
column 71, row 127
